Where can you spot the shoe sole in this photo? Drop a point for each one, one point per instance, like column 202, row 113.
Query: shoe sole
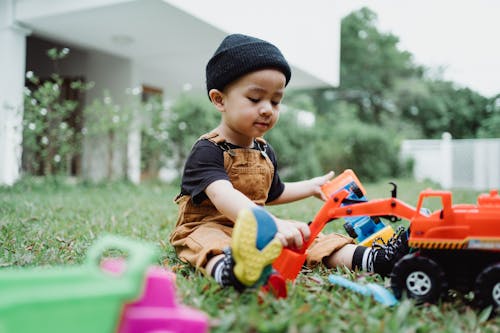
column 249, row 260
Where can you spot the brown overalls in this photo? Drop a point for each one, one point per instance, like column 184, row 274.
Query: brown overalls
column 202, row 232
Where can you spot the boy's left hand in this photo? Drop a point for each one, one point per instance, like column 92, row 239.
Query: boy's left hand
column 291, row 233
column 317, row 182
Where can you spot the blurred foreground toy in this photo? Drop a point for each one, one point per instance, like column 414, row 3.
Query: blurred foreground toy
column 157, row 310
column 379, row 293
column 135, row 298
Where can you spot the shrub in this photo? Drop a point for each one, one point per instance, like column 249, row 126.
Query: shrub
column 190, row 117
column 346, row 143
column 50, row 141
column 154, row 136
column 291, row 140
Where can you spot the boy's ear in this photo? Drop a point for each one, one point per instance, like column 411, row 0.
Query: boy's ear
column 217, row 98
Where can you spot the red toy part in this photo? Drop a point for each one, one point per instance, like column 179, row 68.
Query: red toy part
column 290, row 262
column 462, row 226
column 276, row 285
column 345, row 178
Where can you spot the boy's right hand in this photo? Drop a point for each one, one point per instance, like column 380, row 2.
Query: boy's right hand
column 292, row 234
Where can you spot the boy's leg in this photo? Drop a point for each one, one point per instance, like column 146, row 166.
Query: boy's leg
column 254, row 248
column 212, row 263
column 341, row 257
column 380, row 258
column 332, row 250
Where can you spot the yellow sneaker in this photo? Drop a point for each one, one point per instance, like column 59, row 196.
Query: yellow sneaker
column 254, row 246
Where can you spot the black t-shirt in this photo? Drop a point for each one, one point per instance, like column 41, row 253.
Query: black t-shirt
column 205, row 164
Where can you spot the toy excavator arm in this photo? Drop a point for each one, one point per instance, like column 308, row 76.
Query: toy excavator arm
column 332, row 209
column 290, row 261
column 377, row 207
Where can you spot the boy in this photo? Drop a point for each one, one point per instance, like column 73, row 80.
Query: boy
column 231, row 172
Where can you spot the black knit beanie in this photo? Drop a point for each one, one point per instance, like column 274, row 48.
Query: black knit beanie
column 238, row 55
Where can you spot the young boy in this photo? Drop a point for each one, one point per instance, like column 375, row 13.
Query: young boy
column 232, row 171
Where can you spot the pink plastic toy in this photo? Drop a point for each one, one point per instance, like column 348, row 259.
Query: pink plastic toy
column 157, row 311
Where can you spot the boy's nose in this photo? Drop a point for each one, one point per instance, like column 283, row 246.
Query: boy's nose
column 266, row 108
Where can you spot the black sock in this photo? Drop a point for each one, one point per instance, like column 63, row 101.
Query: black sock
column 223, row 272
column 360, row 258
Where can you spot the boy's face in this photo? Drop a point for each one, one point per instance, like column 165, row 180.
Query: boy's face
column 250, row 105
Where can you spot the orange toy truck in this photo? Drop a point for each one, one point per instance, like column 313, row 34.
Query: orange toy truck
column 455, row 247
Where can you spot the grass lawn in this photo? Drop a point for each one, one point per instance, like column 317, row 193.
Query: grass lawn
column 43, row 223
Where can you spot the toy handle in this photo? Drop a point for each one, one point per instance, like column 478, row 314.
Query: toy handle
column 140, row 255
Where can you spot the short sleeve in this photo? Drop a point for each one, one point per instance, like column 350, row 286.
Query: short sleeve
column 277, row 186
column 204, row 165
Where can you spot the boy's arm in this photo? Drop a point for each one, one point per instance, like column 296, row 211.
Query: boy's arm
column 230, row 201
column 303, row 189
column 227, row 199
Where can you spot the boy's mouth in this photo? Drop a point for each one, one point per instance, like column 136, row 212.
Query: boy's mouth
column 262, row 125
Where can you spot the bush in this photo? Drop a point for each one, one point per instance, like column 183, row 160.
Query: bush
column 346, row 143
column 291, row 141
column 154, row 137
column 190, row 117
column 369, row 151
column 490, row 126
column 51, row 136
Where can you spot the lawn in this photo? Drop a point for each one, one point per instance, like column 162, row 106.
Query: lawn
column 45, row 223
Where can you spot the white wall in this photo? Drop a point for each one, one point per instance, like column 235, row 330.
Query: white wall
column 12, row 65
column 469, row 163
column 26, row 9
column 115, row 75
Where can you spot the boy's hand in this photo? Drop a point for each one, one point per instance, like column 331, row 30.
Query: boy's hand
column 292, row 234
column 317, row 182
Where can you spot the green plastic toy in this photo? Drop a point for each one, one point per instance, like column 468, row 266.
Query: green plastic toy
column 78, row 299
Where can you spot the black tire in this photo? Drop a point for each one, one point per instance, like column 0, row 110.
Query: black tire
column 487, row 287
column 350, row 230
column 419, row 278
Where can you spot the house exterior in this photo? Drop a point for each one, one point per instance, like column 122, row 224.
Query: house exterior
column 132, row 45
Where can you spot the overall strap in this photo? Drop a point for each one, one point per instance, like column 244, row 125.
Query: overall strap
column 261, row 140
column 216, row 138
column 220, row 142
column 213, row 136
column 262, row 145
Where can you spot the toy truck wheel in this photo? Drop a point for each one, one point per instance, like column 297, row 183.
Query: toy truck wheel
column 487, row 287
column 350, row 230
column 418, row 277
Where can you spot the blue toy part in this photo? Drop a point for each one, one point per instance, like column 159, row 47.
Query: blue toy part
column 266, row 227
column 360, row 227
column 379, row 293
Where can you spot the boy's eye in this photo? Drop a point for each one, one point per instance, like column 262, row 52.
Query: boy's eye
column 257, row 100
